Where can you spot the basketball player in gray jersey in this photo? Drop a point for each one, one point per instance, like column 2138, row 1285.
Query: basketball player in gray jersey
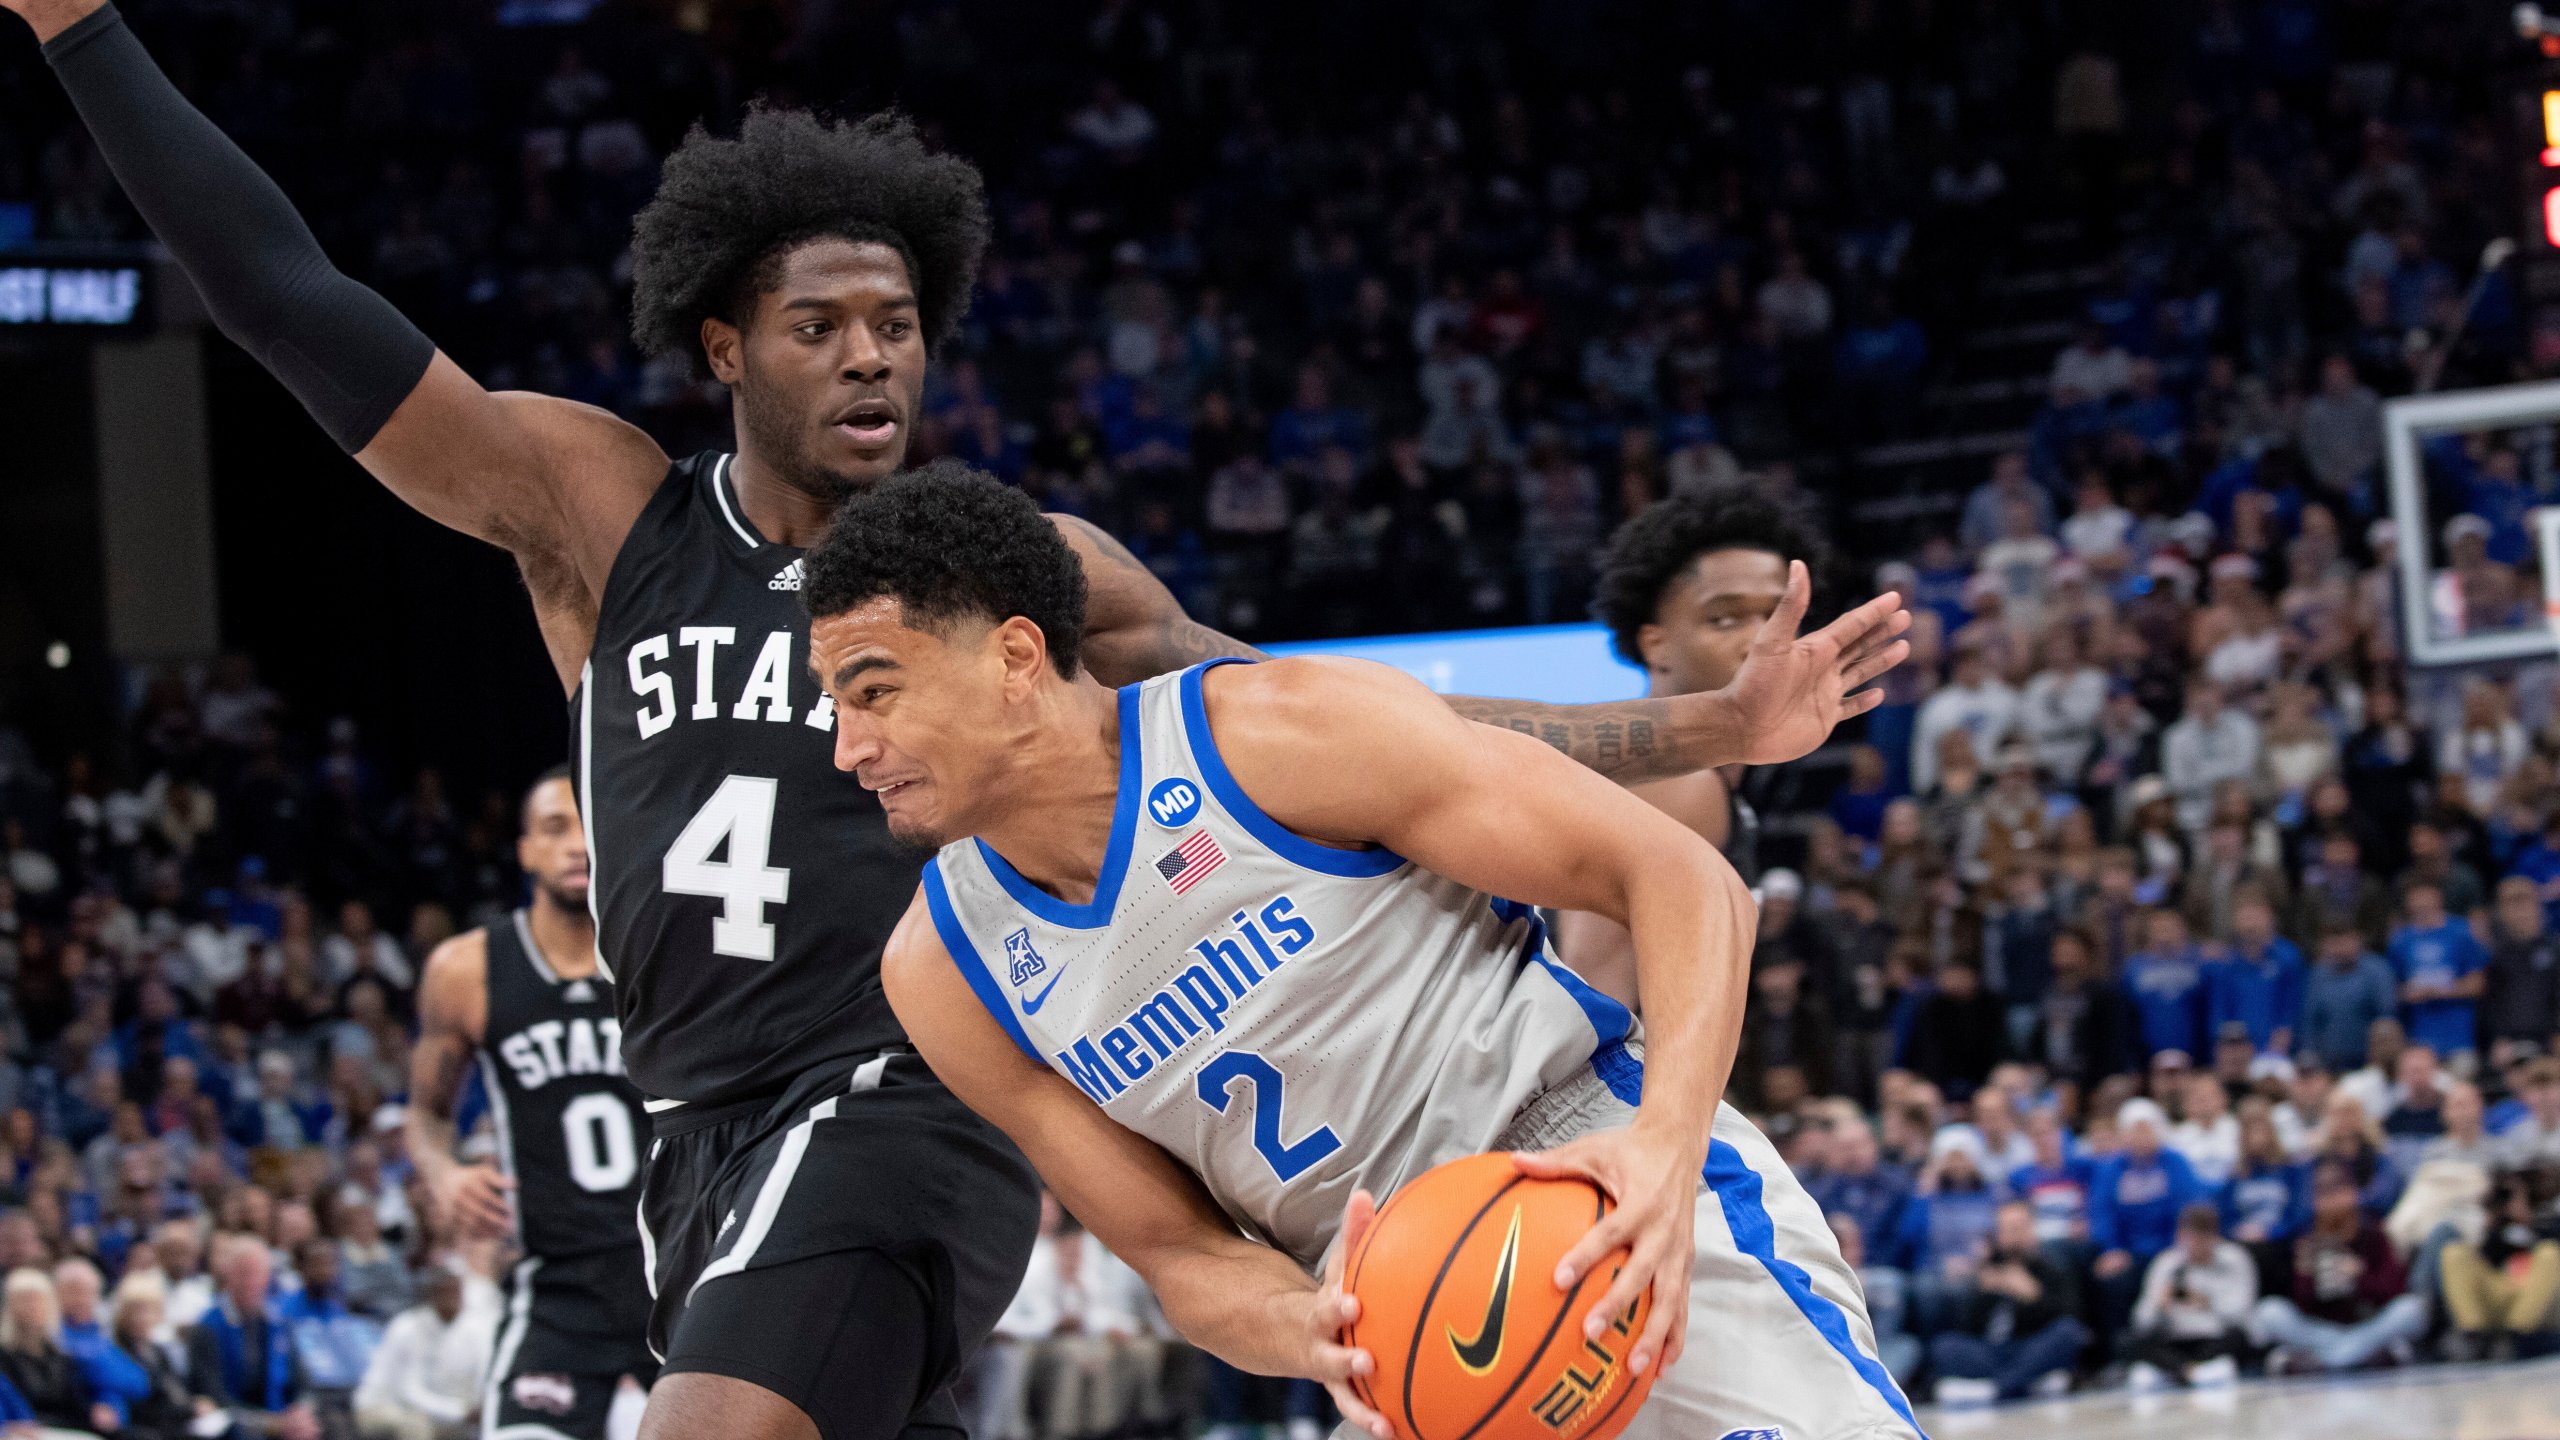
column 1222, row 952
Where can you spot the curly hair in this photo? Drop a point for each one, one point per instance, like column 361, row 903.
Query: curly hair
column 950, row 543
column 1655, row 547
column 727, row 211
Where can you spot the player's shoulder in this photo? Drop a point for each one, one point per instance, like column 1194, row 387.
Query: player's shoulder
column 463, row 958
column 1314, row 691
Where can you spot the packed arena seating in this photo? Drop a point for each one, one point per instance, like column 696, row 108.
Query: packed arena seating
column 2084, row 1008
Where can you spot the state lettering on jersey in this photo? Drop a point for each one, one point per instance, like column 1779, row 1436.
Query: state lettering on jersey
column 1229, row 966
column 549, row 1050
column 730, row 680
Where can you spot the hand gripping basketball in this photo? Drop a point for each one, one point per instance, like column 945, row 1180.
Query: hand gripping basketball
column 1474, row 1314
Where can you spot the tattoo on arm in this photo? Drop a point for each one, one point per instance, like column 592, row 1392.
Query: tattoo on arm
column 1620, row 741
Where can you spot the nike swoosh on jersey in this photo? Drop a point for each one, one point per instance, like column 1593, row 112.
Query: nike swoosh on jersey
column 1031, row 1004
column 1477, row 1356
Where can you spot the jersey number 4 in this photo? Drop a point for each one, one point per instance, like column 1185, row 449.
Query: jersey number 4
column 739, row 818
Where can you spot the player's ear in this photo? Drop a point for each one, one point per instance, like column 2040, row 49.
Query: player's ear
column 1025, row 653
column 720, row 343
column 1649, row 642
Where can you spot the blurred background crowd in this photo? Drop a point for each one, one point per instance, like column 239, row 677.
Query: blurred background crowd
column 2164, row 983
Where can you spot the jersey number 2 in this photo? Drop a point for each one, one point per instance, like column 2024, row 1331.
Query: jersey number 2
column 1286, row 1161
column 740, row 815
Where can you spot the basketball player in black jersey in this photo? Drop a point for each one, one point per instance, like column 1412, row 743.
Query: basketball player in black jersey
column 525, row 1002
column 1684, row 588
column 831, row 1231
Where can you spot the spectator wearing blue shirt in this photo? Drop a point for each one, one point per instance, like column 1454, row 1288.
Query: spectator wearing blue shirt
column 1946, row 1229
column 2259, row 982
column 2268, row 1199
column 333, row 1343
column 115, row 1379
column 1859, row 1185
column 1314, row 422
column 2055, row 1184
column 2134, row 1200
column 2166, row 981
column 2343, row 995
column 2443, row 970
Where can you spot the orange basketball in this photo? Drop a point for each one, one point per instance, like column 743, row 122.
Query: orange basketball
column 1459, row 1308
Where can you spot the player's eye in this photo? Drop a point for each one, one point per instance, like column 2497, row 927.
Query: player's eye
column 813, row 330
column 871, row 694
column 898, row 329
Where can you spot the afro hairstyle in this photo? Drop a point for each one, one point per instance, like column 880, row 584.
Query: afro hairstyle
column 728, row 210
column 950, row 543
column 1657, row 546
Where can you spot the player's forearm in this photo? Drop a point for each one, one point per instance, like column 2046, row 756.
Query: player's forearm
column 1625, row 740
column 343, row 351
column 432, row 1141
column 1242, row 1302
column 1693, row 924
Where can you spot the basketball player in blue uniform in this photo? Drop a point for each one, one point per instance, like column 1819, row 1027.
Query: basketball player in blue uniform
column 827, row 1232
column 1222, row 951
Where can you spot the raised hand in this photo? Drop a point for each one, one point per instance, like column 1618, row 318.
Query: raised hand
column 1794, row 690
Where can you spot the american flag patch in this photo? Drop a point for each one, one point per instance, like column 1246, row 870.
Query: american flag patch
column 1190, row 862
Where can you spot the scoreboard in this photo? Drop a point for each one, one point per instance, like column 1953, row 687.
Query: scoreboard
column 88, row 294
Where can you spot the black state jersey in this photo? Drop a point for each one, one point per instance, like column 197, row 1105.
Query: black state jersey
column 743, row 886
column 569, row 1123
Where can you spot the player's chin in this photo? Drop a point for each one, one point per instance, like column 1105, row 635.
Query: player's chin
column 857, row 466
column 916, row 832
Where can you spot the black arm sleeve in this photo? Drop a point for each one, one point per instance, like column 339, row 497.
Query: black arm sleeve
column 343, row 351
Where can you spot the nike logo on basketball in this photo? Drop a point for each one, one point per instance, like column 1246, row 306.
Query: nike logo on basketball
column 1477, row 1356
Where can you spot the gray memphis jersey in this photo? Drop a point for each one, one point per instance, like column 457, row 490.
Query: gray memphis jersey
column 1290, row 1020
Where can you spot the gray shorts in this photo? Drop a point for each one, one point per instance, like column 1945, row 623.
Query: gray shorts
column 1779, row 1345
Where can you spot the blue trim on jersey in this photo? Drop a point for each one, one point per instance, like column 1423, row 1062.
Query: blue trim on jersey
column 1737, row 1190
column 1094, row 914
column 965, row 955
column 1276, row 837
column 1609, row 1019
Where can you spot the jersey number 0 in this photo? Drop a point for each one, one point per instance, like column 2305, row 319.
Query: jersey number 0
column 739, row 816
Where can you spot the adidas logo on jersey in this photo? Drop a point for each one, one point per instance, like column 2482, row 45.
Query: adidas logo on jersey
column 787, row 578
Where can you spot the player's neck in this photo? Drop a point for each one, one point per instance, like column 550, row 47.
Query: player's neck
column 567, row 938
column 780, row 511
column 1064, row 794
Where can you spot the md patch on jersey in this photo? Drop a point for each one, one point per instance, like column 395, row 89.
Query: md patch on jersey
column 1173, row 802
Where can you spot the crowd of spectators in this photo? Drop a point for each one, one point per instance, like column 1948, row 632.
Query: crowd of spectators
column 1399, row 358
column 2170, row 989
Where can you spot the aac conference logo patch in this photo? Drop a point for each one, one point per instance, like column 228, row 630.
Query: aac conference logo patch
column 1173, row 802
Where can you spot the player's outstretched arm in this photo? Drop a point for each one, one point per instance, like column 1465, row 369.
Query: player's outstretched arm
column 1244, row 1302
column 453, row 1004
column 524, row 471
column 1789, row 696
column 1349, row 753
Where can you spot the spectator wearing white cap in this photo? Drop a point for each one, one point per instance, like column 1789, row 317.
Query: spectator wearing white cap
column 2134, row 1201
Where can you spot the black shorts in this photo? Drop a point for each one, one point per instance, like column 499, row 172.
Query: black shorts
column 575, row 1325
column 786, row 1237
